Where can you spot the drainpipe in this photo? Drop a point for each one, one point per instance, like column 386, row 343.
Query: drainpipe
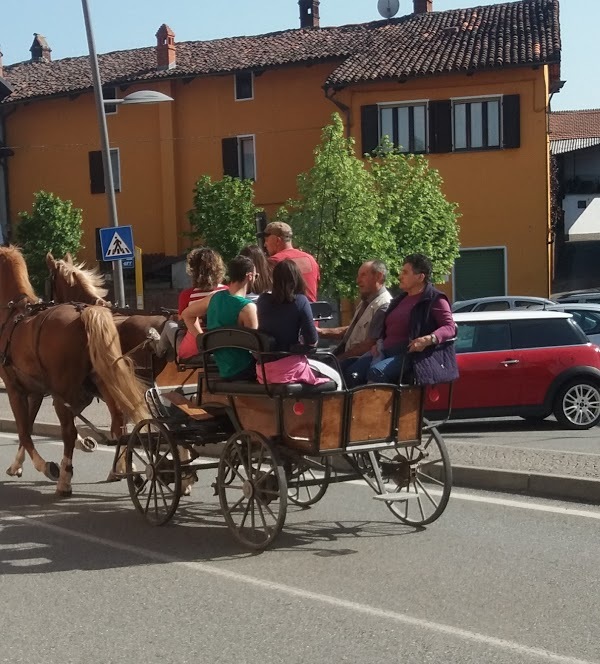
column 5, row 153
column 330, row 95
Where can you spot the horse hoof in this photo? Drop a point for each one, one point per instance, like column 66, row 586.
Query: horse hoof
column 52, row 471
column 14, row 473
column 64, row 493
column 187, row 490
column 87, row 444
column 113, row 477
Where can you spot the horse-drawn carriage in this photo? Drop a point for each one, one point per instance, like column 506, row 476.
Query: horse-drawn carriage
column 279, row 443
column 284, row 443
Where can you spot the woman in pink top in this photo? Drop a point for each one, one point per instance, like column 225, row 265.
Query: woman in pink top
column 207, row 270
column 417, row 326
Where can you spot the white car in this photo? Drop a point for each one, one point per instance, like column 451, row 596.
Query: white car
column 500, row 303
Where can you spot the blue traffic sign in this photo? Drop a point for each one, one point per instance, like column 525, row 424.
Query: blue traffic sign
column 117, row 243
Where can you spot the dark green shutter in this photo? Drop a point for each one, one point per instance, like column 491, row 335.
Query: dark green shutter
column 369, row 123
column 479, row 273
column 511, row 121
column 230, row 157
column 96, row 173
column 440, row 126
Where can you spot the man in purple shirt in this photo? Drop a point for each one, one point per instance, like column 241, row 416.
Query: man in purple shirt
column 417, row 326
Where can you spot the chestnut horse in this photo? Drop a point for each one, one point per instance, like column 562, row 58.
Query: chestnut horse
column 72, row 353
column 73, row 282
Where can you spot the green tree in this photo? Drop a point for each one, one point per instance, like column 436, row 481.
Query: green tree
column 385, row 207
column 223, row 216
column 53, row 225
column 335, row 217
column 413, row 208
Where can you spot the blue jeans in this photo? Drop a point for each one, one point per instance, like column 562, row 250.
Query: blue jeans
column 369, row 369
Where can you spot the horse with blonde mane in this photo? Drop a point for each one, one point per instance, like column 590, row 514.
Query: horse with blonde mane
column 71, row 352
column 73, row 282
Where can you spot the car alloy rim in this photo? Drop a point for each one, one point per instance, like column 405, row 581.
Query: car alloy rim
column 581, row 404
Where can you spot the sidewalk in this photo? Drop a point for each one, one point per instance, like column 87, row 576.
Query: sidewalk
column 478, row 465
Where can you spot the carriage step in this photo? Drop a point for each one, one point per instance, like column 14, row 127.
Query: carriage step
column 187, row 407
column 396, row 497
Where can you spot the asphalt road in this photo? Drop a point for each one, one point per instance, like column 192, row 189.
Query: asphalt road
column 495, row 580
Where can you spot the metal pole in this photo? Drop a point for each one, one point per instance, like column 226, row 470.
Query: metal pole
column 109, row 184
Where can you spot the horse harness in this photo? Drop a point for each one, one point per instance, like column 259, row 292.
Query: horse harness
column 19, row 313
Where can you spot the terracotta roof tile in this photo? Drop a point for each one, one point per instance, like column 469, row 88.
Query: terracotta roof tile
column 509, row 34
column 575, row 124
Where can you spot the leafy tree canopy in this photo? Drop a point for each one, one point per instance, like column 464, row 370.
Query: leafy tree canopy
column 53, row 225
column 223, row 216
column 385, row 207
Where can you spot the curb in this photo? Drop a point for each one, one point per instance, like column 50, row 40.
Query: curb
column 558, row 487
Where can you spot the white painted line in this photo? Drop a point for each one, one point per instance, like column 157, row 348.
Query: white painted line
column 321, row 598
column 507, row 502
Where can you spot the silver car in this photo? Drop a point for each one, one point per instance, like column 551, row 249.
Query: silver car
column 501, row 303
column 587, row 316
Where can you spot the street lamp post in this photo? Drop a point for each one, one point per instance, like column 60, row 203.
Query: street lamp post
column 109, row 184
column 141, row 97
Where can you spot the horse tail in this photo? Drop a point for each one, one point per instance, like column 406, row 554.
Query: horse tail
column 115, row 370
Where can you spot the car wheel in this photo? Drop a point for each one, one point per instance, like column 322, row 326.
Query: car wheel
column 577, row 404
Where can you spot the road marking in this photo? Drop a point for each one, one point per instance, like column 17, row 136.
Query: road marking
column 507, row 502
column 294, row 591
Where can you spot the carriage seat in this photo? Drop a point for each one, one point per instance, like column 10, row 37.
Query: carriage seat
column 260, row 346
column 273, row 389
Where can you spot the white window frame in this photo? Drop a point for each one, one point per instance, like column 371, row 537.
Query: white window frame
column 117, row 175
column 235, row 87
column 240, row 138
column 486, row 248
column 474, row 99
column 405, row 104
column 112, row 87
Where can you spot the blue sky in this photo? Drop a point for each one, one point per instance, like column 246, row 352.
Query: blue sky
column 123, row 24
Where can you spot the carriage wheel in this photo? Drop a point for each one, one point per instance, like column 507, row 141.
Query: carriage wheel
column 155, row 484
column 418, row 477
column 254, row 502
column 308, row 468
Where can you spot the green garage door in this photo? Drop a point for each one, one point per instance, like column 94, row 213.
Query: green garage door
column 479, row 273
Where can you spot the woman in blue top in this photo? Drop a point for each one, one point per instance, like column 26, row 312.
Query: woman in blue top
column 286, row 316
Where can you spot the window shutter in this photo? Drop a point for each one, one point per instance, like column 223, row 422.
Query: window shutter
column 230, row 157
column 440, row 126
column 511, row 119
column 369, row 120
column 96, row 173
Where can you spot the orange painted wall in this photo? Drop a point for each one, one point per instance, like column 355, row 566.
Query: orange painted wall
column 503, row 195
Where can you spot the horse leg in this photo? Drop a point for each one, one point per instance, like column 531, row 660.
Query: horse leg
column 19, row 404
column 34, row 401
column 69, row 435
column 117, row 429
column 187, row 477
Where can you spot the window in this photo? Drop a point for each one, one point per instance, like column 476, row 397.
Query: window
column 405, row 126
column 244, row 86
column 545, row 333
column 97, row 171
column 480, row 273
column 110, row 93
column 482, row 337
column 477, row 124
column 499, row 305
column 239, row 158
column 588, row 321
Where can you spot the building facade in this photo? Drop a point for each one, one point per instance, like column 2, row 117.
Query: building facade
column 469, row 88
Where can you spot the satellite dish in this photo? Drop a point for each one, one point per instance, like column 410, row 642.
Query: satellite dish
column 388, row 8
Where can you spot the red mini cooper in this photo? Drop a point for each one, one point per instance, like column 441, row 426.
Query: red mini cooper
column 523, row 363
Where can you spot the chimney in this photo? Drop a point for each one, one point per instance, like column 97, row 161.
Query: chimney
column 40, row 51
column 423, row 6
column 309, row 13
column 165, row 48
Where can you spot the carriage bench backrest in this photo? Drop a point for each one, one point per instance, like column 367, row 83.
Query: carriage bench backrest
column 260, row 346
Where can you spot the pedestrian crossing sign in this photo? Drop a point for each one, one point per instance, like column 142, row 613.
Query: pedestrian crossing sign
column 117, row 243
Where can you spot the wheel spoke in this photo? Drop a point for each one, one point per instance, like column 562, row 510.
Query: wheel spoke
column 250, row 500
column 149, row 497
column 161, row 484
column 424, row 490
column 264, row 523
column 266, row 507
column 236, row 504
column 234, row 469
